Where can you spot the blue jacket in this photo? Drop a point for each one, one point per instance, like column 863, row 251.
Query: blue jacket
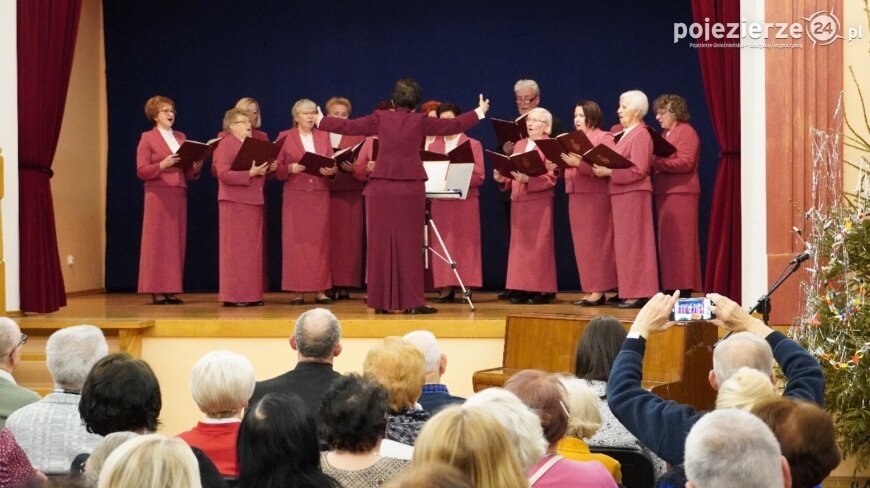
column 662, row 425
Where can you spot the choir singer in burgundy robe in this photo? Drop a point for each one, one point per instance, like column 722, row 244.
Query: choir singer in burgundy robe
column 531, row 271
column 306, row 264
column 589, row 211
column 240, row 217
column 677, row 190
column 345, row 211
column 458, row 221
column 164, row 223
column 396, row 194
column 631, row 201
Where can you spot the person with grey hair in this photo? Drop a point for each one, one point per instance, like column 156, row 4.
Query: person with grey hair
column 221, row 384
column 435, row 395
column 731, row 447
column 317, row 341
column 521, row 423
column 51, row 431
column 12, row 396
column 631, row 200
column 662, row 424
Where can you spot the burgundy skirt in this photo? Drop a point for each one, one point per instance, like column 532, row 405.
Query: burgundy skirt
column 592, row 233
column 532, row 255
column 346, row 237
column 164, row 237
column 679, row 251
column 241, row 252
column 458, row 222
column 305, row 241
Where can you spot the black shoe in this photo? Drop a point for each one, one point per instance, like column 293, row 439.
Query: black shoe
column 323, row 301
column 596, row 303
column 449, row 298
column 342, row 294
column 330, row 293
column 297, row 301
column 507, row 295
column 159, row 301
column 173, row 300
column 540, row 298
column 639, row 303
column 519, row 297
column 238, row 304
column 421, row 310
column 258, row 303
column 380, row 311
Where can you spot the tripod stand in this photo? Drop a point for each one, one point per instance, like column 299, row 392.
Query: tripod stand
column 466, row 295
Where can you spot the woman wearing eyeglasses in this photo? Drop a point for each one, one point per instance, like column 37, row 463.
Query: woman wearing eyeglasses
column 240, row 217
column 631, row 201
column 531, row 271
column 164, row 223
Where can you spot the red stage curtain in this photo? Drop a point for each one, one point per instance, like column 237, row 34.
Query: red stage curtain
column 720, row 68
column 46, row 42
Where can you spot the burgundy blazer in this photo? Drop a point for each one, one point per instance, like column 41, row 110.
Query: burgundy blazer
column 538, row 186
column 401, row 134
column 235, row 186
column 362, row 159
column 477, row 175
column 636, row 146
column 151, row 150
column 678, row 173
column 292, row 151
column 345, row 181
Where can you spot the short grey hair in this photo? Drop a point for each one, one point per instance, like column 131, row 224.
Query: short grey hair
column 9, row 336
column 317, row 333
column 730, row 447
column 543, row 114
column 530, row 84
column 521, row 423
column 637, row 100
column 301, row 105
column 221, row 383
column 71, row 352
column 739, row 350
column 427, row 344
column 102, row 450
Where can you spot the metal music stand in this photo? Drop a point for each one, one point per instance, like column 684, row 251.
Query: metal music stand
column 451, row 184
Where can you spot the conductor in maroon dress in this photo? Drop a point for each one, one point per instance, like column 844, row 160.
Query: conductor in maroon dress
column 677, row 191
column 396, row 194
column 240, row 217
column 346, row 206
column 631, row 201
column 458, row 221
column 589, row 211
column 306, row 265
column 164, row 223
column 531, row 272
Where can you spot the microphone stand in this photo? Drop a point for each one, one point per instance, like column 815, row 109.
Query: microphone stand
column 763, row 304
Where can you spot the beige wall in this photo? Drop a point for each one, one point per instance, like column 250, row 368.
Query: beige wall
column 856, row 53
column 172, row 359
column 79, row 183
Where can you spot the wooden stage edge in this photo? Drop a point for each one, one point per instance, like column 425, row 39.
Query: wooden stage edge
column 202, row 315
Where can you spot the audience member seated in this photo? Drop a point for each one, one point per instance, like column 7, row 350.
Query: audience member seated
column 745, row 389
column 472, row 441
column 806, row 436
column 435, row 395
column 542, row 393
column 50, row 431
column 108, row 444
column 151, row 461
column 662, row 424
column 354, row 423
column 431, row 475
column 121, row 393
column 521, row 424
column 583, row 422
column 12, row 396
column 731, row 447
column 278, row 445
column 15, row 468
column 398, row 365
column 317, row 341
column 221, row 384
column 600, row 343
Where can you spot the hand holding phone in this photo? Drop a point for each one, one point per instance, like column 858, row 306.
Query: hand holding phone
column 692, row 309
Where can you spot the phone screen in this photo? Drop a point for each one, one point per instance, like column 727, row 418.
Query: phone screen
column 688, row 309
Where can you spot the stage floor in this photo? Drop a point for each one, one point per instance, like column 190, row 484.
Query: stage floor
column 113, row 309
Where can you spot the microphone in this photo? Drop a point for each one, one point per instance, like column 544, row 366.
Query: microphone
column 802, row 256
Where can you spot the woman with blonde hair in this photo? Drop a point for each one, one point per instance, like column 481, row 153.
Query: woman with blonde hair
column 151, row 461
column 584, row 420
column 473, row 441
column 745, row 389
column 252, row 108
